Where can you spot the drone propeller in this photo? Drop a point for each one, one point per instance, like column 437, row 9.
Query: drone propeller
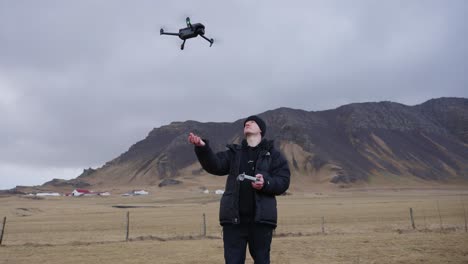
column 162, row 29
column 219, row 41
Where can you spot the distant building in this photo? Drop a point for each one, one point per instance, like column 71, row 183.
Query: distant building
column 136, row 192
column 80, row 192
column 48, row 194
column 140, row 192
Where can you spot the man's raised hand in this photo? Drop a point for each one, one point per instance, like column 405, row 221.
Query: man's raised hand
column 195, row 140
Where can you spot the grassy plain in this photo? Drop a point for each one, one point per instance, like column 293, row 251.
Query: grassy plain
column 347, row 226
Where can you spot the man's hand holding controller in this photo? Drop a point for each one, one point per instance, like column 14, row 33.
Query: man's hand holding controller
column 257, row 181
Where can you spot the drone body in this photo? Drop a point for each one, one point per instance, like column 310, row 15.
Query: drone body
column 191, row 31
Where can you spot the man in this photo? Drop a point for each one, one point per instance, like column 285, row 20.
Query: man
column 248, row 208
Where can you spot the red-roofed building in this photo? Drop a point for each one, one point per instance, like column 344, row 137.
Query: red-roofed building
column 80, row 192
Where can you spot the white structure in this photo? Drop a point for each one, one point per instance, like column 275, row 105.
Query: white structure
column 80, row 192
column 47, row 194
column 206, row 191
column 219, row 191
column 135, row 193
column 140, row 192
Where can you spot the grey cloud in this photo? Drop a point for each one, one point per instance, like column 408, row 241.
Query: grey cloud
column 82, row 81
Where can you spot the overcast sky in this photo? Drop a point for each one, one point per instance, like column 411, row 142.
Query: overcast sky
column 81, row 81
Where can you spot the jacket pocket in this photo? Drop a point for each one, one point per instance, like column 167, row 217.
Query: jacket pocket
column 226, row 208
column 268, row 212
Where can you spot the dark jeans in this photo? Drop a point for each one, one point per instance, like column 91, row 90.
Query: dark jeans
column 236, row 238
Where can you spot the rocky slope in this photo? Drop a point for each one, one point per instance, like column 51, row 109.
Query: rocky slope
column 350, row 144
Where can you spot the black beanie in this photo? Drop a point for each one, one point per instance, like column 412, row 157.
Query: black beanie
column 259, row 121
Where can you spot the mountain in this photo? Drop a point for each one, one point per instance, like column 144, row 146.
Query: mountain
column 373, row 142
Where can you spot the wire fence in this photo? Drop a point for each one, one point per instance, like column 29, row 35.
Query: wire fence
column 181, row 223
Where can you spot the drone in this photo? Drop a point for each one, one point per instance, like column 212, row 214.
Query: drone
column 190, row 31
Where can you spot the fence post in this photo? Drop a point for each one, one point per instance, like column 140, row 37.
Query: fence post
column 204, row 225
column 425, row 223
column 440, row 216
column 3, row 230
column 464, row 214
column 128, row 225
column 323, row 225
column 412, row 218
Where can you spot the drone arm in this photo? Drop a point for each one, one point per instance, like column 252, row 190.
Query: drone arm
column 182, row 46
column 172, row 34
column 207, row 39
column 161, row 32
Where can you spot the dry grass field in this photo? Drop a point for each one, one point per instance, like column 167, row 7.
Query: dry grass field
column 359, row 226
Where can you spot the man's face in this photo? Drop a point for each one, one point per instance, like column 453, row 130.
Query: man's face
column 251, row 127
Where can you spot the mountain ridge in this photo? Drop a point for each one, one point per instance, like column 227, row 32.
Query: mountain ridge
column 350, row 144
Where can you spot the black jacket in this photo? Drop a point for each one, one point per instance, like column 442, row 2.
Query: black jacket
column 271, row 164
